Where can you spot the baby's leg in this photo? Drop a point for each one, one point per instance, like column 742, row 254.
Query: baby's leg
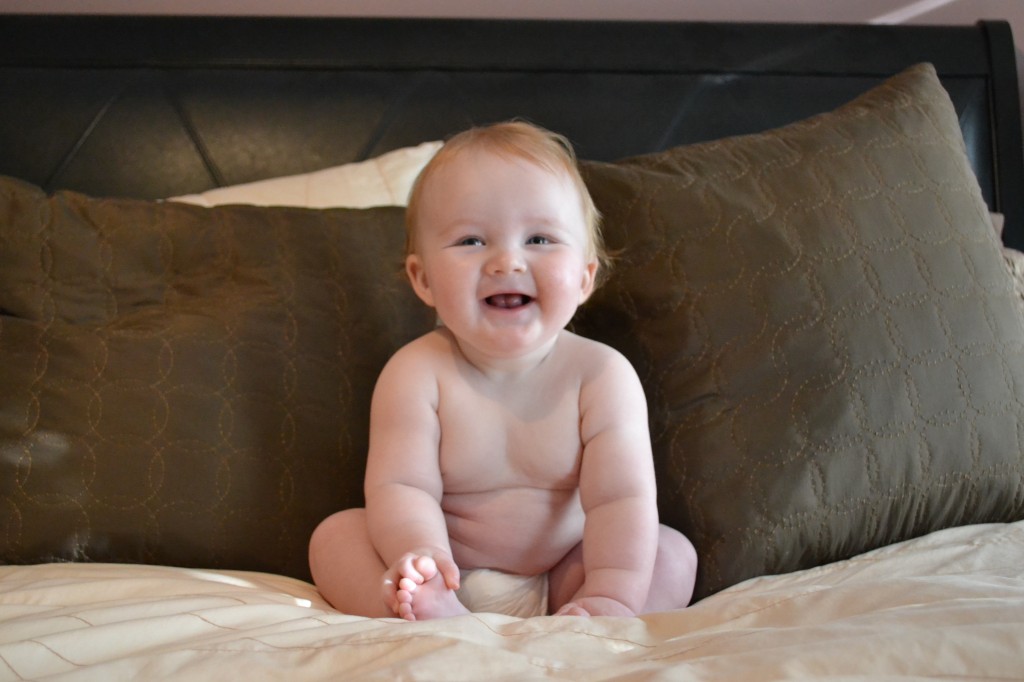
column 423, row 594
column 675, row 571
column 345, row 566
column 349, row 573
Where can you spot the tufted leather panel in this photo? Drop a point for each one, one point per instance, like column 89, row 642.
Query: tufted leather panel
column 152, row 107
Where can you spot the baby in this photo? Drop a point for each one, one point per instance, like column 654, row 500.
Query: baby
column 501, row 440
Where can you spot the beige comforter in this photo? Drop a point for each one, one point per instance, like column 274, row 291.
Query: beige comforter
column 950, row 605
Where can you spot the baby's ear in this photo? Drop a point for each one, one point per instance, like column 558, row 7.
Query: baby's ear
column 418, row 278
column 589, row 280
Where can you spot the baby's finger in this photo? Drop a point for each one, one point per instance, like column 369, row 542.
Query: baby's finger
column 389, row 594
column 450, row 572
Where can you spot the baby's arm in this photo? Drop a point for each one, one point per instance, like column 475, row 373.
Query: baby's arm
column 618, row 493
column 403, row 484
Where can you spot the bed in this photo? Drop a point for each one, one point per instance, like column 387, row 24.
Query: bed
column 818, row 280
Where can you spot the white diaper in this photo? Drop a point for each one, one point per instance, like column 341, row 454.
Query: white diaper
column 485, row 591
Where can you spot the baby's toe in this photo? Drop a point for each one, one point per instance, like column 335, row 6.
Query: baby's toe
column 426, row 567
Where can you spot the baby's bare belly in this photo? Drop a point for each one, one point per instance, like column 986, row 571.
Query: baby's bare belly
column 520, row 530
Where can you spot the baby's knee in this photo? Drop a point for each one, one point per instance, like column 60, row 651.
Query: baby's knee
column 689, row 552
column 677, row 565
column 348, row 524
column 676, row 549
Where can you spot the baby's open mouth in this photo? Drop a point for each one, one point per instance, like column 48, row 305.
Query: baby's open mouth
column 508, row 300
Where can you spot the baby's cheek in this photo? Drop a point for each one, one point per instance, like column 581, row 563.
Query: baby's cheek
column 568, row 278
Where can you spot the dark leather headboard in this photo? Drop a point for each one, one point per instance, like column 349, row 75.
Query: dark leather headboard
column 157, row 106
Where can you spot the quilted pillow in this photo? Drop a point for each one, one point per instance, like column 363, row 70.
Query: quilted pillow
column 188, row 386
column 827, row 333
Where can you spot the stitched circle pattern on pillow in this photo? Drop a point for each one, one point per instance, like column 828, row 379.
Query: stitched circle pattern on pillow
column 188, row 386
column 826, row 331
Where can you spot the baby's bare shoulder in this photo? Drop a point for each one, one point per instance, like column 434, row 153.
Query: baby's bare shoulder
column 432, row 348
column 610, row 389
column 593, row 357
column 416, row 367
column 576, row 343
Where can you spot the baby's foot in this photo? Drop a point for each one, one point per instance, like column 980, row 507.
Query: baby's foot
column 430, row 598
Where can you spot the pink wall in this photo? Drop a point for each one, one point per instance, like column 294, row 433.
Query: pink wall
column 895, row 11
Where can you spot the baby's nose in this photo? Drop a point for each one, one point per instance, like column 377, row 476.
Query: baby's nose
column 507, row 261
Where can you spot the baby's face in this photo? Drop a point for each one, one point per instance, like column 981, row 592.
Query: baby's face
column 501, row 253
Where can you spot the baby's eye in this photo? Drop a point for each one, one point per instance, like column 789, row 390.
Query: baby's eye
column 470, row 241
column 538, row 239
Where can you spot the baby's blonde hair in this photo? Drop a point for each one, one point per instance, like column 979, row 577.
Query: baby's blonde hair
column 527, row 141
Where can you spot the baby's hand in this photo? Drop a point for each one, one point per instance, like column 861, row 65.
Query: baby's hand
column 595, row 606
column 402, row 578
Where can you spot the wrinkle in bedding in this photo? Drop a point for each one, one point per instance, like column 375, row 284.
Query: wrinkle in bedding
column 950, row 604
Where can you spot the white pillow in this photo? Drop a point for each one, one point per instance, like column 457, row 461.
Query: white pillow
column 381, row 181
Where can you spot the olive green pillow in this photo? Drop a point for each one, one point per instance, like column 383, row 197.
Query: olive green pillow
column 188, row 386
column 826, row 331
